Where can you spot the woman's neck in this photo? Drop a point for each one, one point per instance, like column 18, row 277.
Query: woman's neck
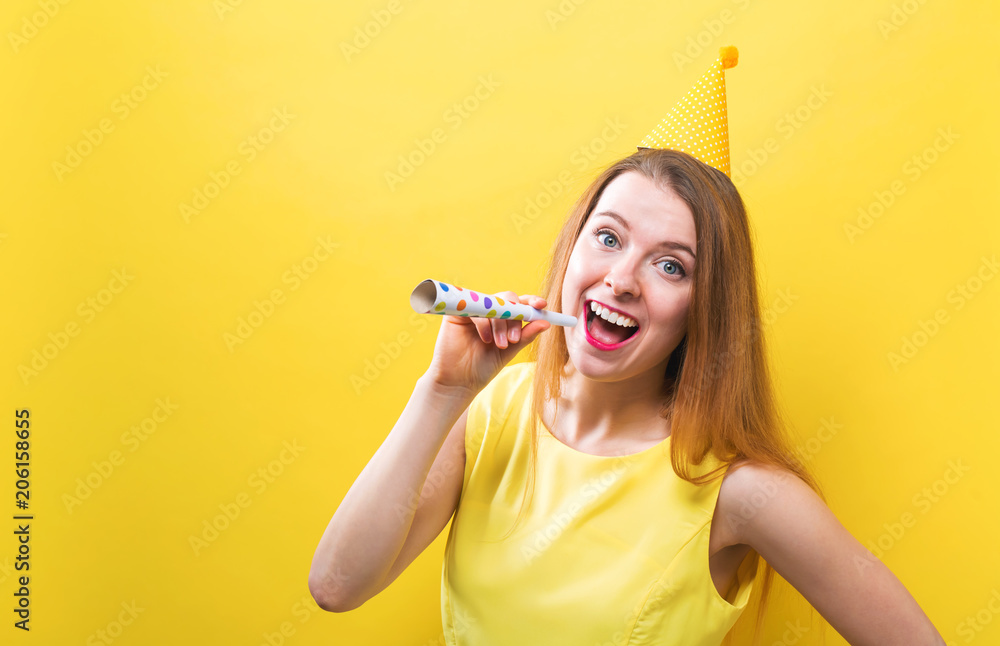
column 592, row 413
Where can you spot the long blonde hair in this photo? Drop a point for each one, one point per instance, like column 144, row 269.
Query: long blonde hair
column 717, row 392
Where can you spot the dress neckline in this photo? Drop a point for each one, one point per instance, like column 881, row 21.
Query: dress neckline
column 662, row 445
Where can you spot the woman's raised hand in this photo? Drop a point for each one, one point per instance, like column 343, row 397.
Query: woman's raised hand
column 470, row 351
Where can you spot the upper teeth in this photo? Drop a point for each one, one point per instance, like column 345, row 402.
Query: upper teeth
column 613, row 317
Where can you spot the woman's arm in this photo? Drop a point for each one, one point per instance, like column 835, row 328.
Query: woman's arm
column 369, row 529
column 783, row 519
column 378, row 529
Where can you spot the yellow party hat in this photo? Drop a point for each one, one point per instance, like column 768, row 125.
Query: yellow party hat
column 699, row 124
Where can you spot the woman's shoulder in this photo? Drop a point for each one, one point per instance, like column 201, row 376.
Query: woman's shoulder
column 748, row 469
column 749, row 486
column 746, row 477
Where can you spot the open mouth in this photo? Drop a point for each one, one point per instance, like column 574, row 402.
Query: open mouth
column 607, row 334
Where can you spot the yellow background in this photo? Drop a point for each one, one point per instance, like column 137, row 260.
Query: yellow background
column 839, row 303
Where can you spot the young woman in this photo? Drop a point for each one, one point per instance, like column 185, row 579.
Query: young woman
column 622, row 487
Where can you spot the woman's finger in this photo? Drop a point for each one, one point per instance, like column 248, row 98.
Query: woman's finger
column 500, row 332
column 505, row 327
column 484, row 329
column 534, row 301
column 504, row 332
column 515, row 331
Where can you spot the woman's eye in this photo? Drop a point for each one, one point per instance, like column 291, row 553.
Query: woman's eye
column 606, row 236
column 672, row 268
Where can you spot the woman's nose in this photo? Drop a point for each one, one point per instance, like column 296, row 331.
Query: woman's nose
column 622, row 279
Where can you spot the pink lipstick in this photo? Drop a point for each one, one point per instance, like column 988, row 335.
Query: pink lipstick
column 588, row 317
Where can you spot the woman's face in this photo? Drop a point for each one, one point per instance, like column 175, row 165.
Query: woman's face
column 635, row 256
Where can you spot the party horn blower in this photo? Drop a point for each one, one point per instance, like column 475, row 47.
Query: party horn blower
column 435, row 297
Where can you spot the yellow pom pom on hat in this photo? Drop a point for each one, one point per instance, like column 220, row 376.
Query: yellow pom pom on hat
column 699, row 123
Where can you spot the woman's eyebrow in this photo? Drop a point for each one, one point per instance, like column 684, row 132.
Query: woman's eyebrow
column 667, row 244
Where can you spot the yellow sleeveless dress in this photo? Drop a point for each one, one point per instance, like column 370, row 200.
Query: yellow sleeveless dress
column 613, row 551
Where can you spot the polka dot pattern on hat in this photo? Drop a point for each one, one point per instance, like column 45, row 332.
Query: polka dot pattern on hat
column 699, row 123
